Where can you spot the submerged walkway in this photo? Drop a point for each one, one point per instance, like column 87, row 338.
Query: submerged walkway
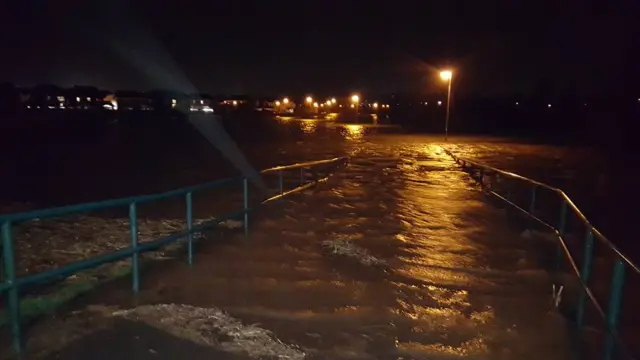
column 429, row 270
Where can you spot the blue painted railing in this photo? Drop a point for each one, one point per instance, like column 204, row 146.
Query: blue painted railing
column 11, row 283
column 487, row 176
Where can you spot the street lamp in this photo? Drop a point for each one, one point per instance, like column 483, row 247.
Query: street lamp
column 333, row 100
column 285, row 100
column 447, row 75
column 355, row 98
column 309, row 99
column 277, row 103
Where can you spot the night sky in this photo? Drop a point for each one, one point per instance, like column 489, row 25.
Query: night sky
column 270, row 47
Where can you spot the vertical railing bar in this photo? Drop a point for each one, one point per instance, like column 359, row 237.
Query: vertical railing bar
column 613, row 310
column 245, row 188
column 133, row 228
column 301, row 176
column 189, row 205
column 585, row 274
column 13, row 296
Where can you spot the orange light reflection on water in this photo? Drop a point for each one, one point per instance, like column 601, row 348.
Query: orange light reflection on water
column 308, row 126
column 433, row 203
column 353, row 132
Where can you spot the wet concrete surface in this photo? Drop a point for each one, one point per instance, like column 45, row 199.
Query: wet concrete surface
column 454, row 280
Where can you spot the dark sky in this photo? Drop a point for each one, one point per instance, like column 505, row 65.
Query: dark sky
column 328, row 47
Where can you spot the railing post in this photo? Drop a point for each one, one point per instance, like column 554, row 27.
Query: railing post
column 245, row 188
column 133, row 227
column 189, row 206
column 280, row 175
column 13, row 299
column 585, row 274
column 301, row 176
column 613, row 312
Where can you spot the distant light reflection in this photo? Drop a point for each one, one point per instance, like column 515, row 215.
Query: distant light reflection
column 308, row 126
column 353, row 132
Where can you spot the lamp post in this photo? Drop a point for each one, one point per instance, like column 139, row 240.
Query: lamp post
column 355, row 99
column 447, row 75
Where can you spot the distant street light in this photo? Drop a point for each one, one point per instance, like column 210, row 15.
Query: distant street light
column 328, row 102
column 285, row 100
column 447, row 75
column 315, row 104
column 375, row 105
column 277, row 103
column 333, row 100
column 355, row 99
column 309, row 99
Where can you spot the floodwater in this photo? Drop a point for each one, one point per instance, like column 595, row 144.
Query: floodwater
column 399, row 256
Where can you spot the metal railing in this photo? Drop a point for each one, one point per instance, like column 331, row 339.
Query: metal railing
column 11, row 283
column 621, row 264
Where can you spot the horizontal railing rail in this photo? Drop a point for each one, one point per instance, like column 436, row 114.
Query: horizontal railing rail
column 12, row 284
column 583, row 273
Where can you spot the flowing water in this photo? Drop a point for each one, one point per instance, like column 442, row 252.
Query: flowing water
column 399, row 256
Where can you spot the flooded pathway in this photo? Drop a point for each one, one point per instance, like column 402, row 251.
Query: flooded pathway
column 399, row 256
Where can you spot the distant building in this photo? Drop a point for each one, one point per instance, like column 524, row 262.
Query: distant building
column 126, row 100
column 201, row 103
column 235, row 101
column 166, row 100
column 46, row 97
column 82, row 98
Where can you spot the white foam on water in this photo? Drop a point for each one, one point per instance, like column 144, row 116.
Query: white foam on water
column 213, row 327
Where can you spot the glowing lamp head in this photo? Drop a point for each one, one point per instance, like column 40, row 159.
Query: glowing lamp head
column 333, row 100
column 309, row 99
column 446, row 75
column 277, row 103
column 285, row 100
column 355, row 98
column 315, row 104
